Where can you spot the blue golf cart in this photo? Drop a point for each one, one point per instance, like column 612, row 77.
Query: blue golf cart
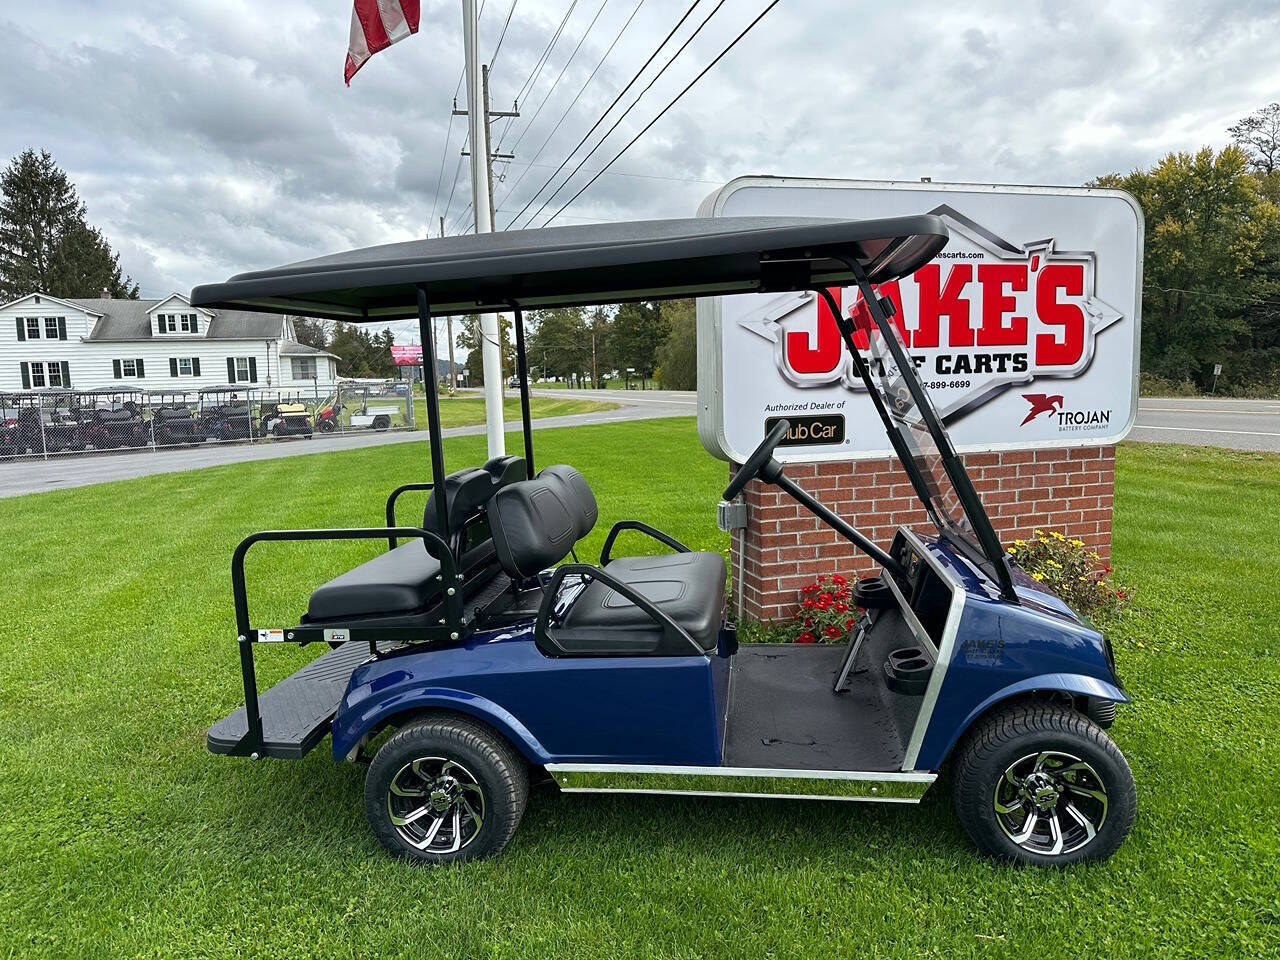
column 470, row 661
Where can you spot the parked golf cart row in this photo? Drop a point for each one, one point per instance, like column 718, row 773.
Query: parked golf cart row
column 57, row 421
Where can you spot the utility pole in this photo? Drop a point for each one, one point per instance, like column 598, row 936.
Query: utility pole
column 482, row 201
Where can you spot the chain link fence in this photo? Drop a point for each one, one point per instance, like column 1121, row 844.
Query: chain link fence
column 56, row 422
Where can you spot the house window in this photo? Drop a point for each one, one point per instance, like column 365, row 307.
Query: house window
column 187, row 322
column 171, row 323
column 304, row 368
column 185, row 368
column 128, row 369
column 33, row 328
column 51, row 328
column 242, row 369
column 46, row 374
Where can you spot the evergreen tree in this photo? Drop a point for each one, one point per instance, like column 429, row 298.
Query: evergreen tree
column 469, row 339
column 312, row 332
column 637, row 332
column 46, row 242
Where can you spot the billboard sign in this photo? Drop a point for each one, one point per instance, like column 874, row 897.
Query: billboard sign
column 1024, row 329
column 407, row 356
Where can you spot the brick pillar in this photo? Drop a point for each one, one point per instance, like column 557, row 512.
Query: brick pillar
column 786, row 546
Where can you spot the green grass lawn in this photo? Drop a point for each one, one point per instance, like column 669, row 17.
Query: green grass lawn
column 466, row 409
column 122, row 836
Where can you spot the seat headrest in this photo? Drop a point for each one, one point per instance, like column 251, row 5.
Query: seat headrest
column 505, row 470
column 536, row 522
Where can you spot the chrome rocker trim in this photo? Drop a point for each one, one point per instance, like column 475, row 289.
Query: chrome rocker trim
column 741, row 782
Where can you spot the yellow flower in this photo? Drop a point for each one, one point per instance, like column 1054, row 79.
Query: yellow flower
column 1076, row 543
column 1020, row 543
column 1038, row 533
column 1057, row 536
column 1013, row 550
column 1037, row 576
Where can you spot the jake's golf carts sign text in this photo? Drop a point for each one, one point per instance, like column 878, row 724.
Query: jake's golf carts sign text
column 1024, row 329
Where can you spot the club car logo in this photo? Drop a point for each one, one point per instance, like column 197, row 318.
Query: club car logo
column 986, row 315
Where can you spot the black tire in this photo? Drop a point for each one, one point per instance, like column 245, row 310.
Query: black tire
column 488, row 763
column 1034, row 737
column 382, row 423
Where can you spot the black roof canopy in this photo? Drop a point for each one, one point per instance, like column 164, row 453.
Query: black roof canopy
column 600, row 263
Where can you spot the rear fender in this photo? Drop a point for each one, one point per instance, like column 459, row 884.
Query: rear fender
column 353, row 722
column 1073, row 683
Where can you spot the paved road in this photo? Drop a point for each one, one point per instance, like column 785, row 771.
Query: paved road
column 1239, row 424
column 32, row 476
column 1209, row 422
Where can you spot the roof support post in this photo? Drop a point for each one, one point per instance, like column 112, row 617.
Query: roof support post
column 522, row 372
column 432, row 393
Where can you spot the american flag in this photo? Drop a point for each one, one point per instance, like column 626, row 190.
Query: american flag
column 376, row 25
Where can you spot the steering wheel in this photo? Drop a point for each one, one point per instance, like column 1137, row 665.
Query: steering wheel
column 759, row 460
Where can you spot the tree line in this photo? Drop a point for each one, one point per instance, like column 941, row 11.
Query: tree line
column 585, row 346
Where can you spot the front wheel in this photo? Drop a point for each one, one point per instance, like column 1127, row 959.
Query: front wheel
column 1043, row 784
column 445, row 790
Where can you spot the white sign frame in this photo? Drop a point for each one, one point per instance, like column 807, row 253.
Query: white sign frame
column 712, row 397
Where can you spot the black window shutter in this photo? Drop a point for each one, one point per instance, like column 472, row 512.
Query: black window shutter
column 253, row 370
column 115, row 369
column 231, row 369
column 26, row 373
column 195, row 323
column 173, row 366
column 22, row 329
column 195, row 366
column 62, row 328
column 66, row 375
column 140, row 371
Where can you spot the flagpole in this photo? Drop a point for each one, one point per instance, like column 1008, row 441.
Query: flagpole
column 490, row 351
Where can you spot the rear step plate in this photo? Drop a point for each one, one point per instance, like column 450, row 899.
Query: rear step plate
column 297, row 711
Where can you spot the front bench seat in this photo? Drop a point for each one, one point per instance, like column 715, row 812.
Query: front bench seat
column 687, row 587
column 405, row 579
column 536, row 524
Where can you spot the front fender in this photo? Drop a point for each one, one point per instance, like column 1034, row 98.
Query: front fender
column 1077, row 684
column 358, row 715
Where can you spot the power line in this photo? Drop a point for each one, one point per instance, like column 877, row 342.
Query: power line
column 530, row 80
column 634, row 103
column 560, row 76
column 502, row 36
column 577, row 96
column 619, row 173
column 600, row 119
column 705, row 70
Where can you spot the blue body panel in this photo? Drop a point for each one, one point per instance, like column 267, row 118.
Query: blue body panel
column 671, row 710
column 565, row 710
column 1003, row 649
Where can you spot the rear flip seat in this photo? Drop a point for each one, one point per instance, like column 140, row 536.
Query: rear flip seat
column 405, row 579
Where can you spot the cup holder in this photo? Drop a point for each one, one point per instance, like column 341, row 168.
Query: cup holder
column 907, row 670
column 872, row 593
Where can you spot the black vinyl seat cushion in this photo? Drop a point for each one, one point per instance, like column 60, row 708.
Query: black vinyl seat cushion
column 397, row 581
column 687, row 587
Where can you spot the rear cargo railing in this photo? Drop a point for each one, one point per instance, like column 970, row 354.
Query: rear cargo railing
column 450, row 626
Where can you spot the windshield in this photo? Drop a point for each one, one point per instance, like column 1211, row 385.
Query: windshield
column 938, row 475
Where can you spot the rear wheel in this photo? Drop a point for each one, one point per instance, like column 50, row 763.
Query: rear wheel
column 445, row 790
column 1043, row 784
column 382, row 423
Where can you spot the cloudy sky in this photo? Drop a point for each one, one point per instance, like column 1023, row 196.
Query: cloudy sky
column 213, row 136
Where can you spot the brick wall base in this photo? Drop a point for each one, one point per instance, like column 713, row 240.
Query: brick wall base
column 786, row 546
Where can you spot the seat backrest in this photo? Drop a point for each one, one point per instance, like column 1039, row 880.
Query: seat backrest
column 467, row 493
column 536, row 522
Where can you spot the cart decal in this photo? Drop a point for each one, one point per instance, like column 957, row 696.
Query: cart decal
column 275, row 635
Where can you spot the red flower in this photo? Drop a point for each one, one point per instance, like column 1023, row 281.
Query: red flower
column 848, row 624
column 806, row 637
column 841, row 607
column 839, row 580
column 809, row 604
column 808, row 621
column 809, row 588
column 832, row 632
column 1122, row 595
column 824, row 597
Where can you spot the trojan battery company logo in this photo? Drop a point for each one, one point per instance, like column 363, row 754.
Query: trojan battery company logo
column 984, row 316
column 1041, row 403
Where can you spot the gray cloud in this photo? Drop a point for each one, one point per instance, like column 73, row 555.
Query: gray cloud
column 212, row 138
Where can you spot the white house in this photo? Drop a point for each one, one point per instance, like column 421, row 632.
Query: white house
column 152, row 345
